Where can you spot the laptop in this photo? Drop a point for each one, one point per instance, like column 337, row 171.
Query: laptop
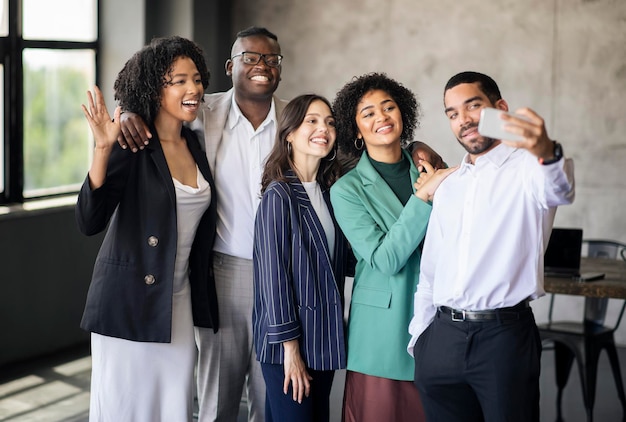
column 562, row 256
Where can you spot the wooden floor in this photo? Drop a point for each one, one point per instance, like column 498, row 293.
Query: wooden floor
column 57, row 389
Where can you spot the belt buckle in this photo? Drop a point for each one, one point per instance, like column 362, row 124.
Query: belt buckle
column 458, row 316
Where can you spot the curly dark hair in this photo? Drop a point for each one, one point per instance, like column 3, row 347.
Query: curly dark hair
column 280, row 158
column 139, row 83
column 345, row 106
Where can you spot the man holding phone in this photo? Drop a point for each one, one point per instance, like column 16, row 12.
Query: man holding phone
column 474, row 338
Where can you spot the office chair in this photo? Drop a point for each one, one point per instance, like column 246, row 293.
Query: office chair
column 583, row 341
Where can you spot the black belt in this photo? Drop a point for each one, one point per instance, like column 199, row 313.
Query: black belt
column 512, row 312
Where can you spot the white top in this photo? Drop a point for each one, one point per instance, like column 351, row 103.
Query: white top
column 191, row 203
column 487, row 233
column 314, row 192
column 238, row 168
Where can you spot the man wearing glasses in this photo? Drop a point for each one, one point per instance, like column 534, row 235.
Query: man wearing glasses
column 238, row 129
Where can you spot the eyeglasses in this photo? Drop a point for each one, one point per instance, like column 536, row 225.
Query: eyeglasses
column 252, row 59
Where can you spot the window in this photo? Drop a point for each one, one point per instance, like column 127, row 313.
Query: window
column 4, row 18
column 52, row 56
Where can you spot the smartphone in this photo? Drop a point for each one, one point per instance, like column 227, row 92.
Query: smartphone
column 492, row 126
column 590, row 277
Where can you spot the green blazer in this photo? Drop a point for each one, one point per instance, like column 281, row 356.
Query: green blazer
column 385, row 237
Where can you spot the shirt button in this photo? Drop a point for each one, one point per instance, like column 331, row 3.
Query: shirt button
column 149, row 279
column 153, row 241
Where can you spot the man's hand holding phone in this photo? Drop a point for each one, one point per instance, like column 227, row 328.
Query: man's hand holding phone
column 522, row 129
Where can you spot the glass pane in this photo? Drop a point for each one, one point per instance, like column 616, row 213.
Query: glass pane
column 61, row 20
column 57, row 139
column 4, row 18
column 1, row 129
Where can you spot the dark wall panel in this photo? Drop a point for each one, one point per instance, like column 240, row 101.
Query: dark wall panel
column 45, row 266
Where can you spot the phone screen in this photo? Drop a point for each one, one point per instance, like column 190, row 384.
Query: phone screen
column 492, row 126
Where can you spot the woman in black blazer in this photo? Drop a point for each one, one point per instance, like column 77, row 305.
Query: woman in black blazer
column 298, row 257
column 151, row 280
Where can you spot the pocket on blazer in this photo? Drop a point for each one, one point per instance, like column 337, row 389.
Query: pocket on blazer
column 372, row 297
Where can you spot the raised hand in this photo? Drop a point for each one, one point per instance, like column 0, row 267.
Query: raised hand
column 105, row 131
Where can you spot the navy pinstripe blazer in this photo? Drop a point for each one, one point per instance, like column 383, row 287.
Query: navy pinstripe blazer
column 298, row 288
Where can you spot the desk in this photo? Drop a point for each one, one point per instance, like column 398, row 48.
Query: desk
column 597, row 293
column 583, row 341
column 613, row 285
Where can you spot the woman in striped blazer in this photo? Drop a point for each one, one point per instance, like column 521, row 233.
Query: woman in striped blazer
column 299, row 255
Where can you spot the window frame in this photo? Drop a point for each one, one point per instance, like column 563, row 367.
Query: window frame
column 11, row 53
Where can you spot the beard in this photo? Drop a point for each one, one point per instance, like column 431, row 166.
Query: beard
column 475, row 146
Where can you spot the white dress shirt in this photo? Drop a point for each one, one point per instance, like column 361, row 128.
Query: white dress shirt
column 487, row 233
column 238, row 169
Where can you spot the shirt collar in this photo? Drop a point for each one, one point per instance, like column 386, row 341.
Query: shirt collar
column 498, row 155
column 235, row 116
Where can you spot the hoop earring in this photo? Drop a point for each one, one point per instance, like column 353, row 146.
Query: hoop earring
column 288, row 148
column 357, row 145
column 334, row 155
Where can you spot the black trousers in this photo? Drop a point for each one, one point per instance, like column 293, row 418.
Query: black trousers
column 479, row 371
column 280, row 407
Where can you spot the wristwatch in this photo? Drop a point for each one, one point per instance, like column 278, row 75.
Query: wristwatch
column 558, row 154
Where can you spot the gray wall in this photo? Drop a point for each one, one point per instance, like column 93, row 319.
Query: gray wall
column 566, row 59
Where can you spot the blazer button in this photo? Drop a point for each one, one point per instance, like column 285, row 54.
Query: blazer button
column 149, row 279
column 153, row 241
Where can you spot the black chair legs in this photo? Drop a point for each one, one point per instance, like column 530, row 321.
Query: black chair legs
column 563, row 360
column 566, row 353
column 615, row 367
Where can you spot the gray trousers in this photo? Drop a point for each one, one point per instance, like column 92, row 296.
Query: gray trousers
column 226, row 359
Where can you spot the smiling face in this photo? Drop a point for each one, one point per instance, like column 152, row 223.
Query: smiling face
column 182, row 92
column 257, row 81
column 463, row 104
column 379, row 121
column 315, row 136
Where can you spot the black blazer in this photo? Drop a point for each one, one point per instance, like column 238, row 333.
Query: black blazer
column 130, row 295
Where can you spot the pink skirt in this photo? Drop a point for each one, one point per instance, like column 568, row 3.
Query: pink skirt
column 367, row 398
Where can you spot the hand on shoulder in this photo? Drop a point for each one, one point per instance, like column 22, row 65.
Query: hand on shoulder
column 429, row 180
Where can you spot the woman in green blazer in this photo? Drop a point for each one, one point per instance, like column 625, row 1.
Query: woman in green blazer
column 384, row 218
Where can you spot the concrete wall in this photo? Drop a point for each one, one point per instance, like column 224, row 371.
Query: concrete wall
column 566, row 59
